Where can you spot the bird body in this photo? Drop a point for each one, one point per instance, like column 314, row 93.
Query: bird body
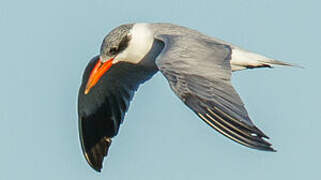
column 197, row 67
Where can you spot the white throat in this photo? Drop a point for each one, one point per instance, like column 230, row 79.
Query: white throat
column 140, row 44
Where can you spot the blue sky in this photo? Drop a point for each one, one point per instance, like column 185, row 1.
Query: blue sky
column 45, row 46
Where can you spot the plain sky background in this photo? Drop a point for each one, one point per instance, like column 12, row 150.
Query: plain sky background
column 45, row 45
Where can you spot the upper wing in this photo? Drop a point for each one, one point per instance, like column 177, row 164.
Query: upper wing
column 102, row 110
column 199, row 71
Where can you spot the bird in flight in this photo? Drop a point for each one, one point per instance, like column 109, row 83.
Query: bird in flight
column 198, row 69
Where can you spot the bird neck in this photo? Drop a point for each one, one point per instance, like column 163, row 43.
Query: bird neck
column 139, row 46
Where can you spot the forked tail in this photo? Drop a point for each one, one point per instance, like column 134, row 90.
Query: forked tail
column 242, row 59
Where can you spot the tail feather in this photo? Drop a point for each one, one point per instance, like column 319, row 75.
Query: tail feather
column 242, row 59
column 273, row 62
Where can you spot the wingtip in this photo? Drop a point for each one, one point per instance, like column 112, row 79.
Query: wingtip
column 274, row 150
column 271, row 149
column 267, row 146
column 96, row 166
column 95, row 156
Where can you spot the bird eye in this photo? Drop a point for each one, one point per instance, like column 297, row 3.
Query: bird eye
column 113, row 50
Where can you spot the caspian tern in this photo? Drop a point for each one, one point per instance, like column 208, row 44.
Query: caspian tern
column 197, row 67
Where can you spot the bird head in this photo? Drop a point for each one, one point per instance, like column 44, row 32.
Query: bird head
column 128, row 43
column 115, row 42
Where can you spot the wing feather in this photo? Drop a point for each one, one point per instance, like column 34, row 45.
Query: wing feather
column 102, row 110
column 199, row 72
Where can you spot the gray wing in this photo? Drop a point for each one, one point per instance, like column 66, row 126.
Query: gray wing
column 198, row 71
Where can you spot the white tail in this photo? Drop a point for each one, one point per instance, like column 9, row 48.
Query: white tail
column 242, row 59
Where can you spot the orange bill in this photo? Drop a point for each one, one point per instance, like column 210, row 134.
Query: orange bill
column 98, row 71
